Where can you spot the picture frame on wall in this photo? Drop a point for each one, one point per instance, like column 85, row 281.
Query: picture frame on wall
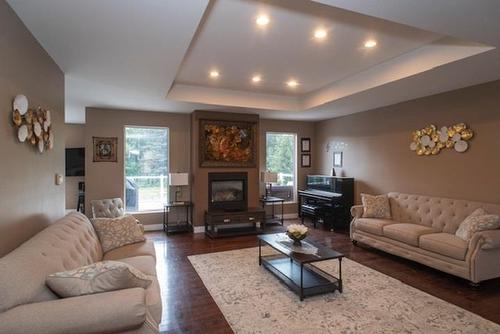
column 225, row 143
column 305, row 160
column 305, row 144
column 105, row 149
column 337, row 159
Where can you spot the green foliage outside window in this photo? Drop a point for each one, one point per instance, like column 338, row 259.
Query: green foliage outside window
column 280, row 156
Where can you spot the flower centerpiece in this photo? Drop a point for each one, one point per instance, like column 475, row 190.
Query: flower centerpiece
column 296, row 232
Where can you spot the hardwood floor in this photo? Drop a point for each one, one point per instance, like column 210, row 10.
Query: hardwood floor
column 189, row 308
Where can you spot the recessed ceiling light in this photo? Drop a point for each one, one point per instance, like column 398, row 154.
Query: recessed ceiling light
column 292, row 83
column 256, row 78
column 214, row 74
column 320, row 34
column 370, row 43
column 262, row 20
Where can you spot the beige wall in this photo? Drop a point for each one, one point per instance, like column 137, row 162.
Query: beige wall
column 29, row 197
column 106, row 179
column 302, row 130
column 200, row 175
column 75, row 137
column 379, row 158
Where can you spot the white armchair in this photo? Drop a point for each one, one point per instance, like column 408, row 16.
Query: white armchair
column 107, row 208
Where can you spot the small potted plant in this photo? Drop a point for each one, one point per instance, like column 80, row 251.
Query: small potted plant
column 297, row 232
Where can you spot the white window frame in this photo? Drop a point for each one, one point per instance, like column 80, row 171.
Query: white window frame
column 124, row 191
column 295, row 162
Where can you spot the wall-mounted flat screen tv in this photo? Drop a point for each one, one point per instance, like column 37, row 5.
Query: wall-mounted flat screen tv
column 75, row 161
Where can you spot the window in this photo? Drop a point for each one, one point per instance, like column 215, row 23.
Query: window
column 281, row 158
column 146, row 168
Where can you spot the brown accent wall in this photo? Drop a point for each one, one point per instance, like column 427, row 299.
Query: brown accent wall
column 106, row 179
column 29, row 198
column 75, row 137
column 200, row 175
column 378, row 155
column 302, row 130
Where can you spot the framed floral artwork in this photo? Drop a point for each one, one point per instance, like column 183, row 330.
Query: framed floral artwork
column 227, row 143
column 105, row 149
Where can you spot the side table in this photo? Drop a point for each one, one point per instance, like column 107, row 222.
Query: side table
column 179, row 226
column 272, row 219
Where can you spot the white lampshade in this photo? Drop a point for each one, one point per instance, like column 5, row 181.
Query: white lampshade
column 178, row 179
column 269, row 177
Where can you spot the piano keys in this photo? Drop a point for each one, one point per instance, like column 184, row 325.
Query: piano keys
column 327, row 199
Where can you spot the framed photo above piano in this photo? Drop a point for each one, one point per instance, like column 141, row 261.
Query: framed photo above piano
column 337, row 159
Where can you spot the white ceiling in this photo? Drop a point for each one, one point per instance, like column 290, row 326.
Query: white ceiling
column 129, row 54
column 286, row 48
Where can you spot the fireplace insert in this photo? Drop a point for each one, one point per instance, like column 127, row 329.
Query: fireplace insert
column 227, row 191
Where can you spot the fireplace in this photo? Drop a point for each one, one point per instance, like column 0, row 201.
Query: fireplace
column 227, row 191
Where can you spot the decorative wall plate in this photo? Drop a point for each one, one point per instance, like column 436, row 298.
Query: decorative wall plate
column 22, row 133
column 461, row 146
column 41, row 145
column 20, row 104
column 37, row 129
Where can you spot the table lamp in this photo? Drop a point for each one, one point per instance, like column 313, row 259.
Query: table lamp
column 268, row 177
column 178, row 180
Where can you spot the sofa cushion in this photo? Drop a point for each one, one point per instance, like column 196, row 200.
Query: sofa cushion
column 445, row 244
column 137, row 249
column 98, row 277
column 117, row 232
column 373, row 225
column 407, row 233
column 479, row 220
column 376, row 206
column 145, row 263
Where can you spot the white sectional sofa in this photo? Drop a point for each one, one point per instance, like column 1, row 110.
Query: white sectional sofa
column 423, row 229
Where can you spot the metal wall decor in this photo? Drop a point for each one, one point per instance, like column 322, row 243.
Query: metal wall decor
column 34, row 126
column 430, row 140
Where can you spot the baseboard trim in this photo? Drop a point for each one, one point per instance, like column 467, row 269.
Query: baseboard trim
column 198, row 229
column 153, row 227
column 290, row 216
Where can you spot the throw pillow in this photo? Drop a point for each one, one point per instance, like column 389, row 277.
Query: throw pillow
column 376, row 206
column 117, row 232
column 479, row 220
column 97, row 277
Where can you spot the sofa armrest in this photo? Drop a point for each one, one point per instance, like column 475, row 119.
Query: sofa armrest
column 486, row 239
column 114, row 311
column 357, row 211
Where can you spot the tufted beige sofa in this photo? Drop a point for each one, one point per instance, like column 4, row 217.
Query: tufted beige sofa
column 27, row 305
column 423, row 229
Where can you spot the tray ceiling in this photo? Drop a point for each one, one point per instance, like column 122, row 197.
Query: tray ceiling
column 158, row 55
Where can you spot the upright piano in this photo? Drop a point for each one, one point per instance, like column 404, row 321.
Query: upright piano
column 327, row 199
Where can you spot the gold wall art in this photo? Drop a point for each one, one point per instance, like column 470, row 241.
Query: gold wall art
column 431, row 140
column 34, row 126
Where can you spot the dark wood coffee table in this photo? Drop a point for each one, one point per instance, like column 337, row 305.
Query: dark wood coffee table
column 296, row 270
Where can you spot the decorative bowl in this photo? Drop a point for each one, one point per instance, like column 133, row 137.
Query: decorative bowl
column 297, row 232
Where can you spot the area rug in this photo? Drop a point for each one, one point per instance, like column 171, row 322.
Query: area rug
column 254, row 301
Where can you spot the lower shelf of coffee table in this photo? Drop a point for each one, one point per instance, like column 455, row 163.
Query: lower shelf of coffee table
column 314, row 280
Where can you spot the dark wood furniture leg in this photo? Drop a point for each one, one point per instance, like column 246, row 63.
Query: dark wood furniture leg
column 340, row 274
column 282, row 213
column 260, row 253
column 301, row 282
